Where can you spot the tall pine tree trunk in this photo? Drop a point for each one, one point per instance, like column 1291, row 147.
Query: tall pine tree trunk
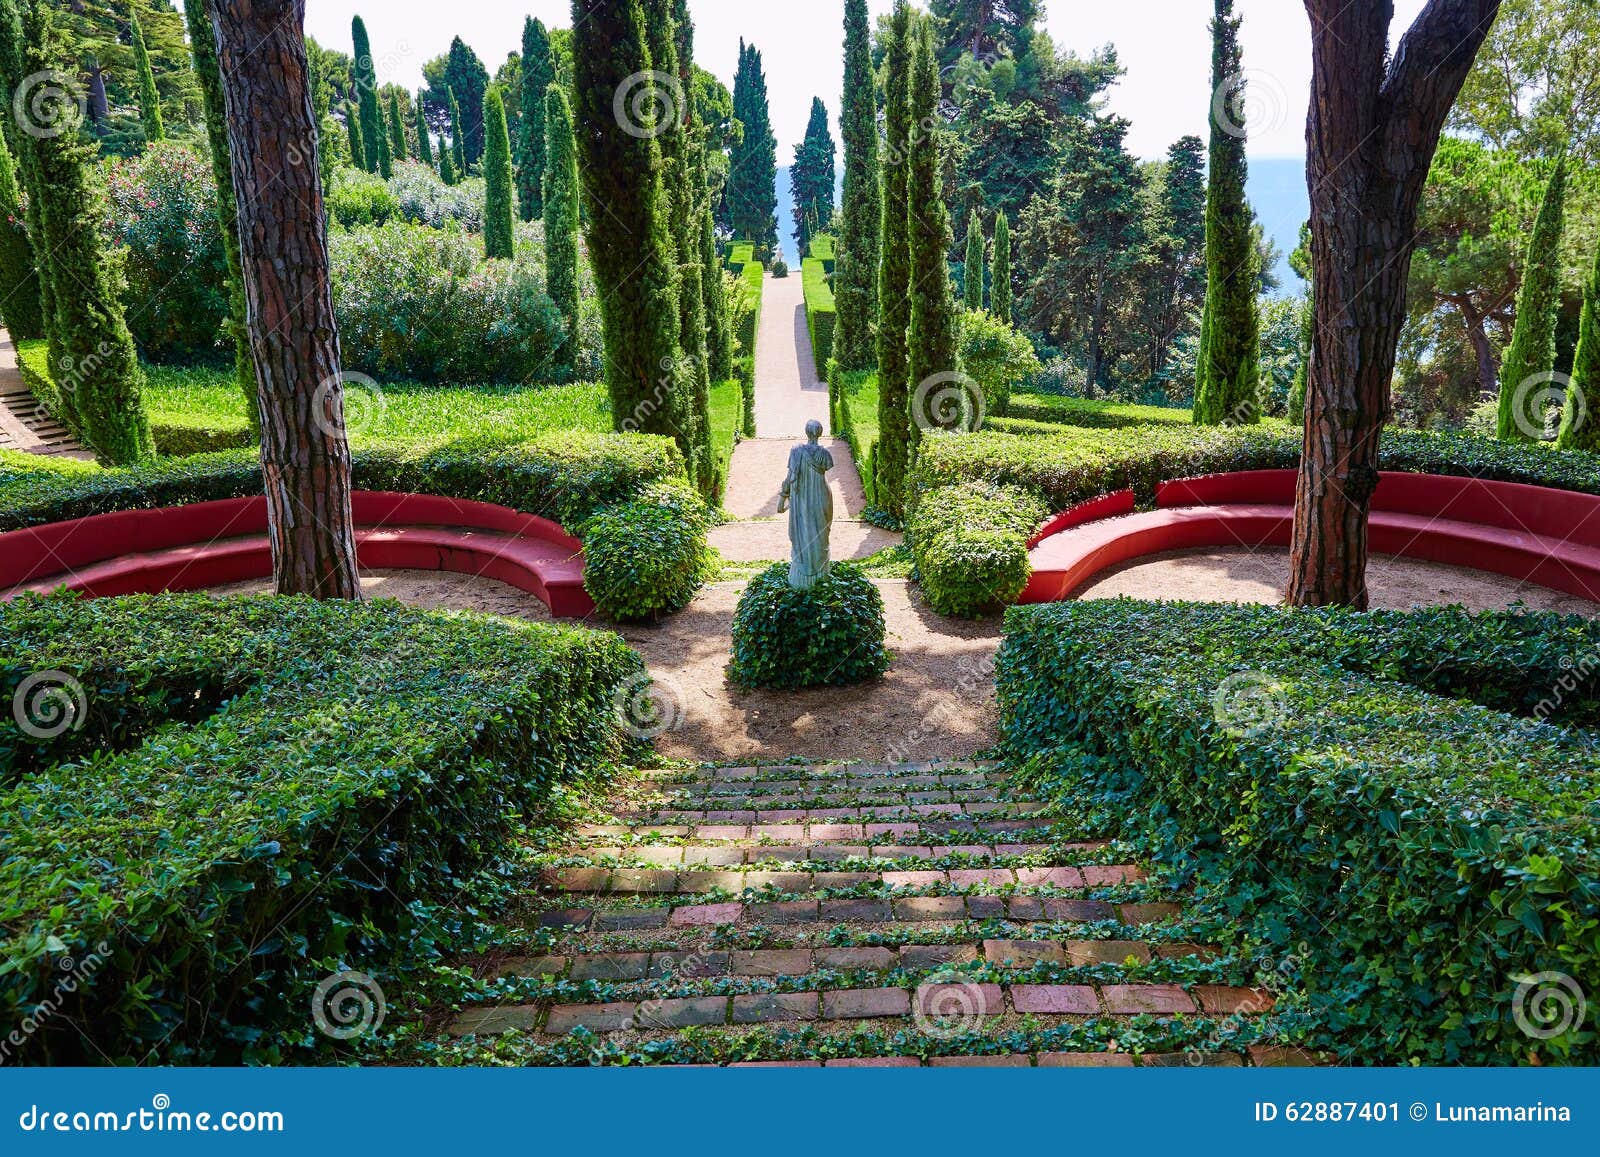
column 283, row 250
column 1373, row 129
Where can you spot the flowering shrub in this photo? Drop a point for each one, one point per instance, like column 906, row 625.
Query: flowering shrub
column 164, row 224
column 423, row 305
column 424, row 199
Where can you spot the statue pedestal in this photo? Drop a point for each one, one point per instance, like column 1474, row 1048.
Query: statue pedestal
column 830, row 635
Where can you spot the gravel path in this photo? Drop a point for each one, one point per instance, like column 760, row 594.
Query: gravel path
column 789, row 391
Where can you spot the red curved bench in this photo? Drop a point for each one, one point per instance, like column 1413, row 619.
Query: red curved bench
column 208, row 544
column 1531, row 533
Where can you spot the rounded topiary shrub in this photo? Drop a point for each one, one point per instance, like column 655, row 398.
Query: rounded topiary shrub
column 828, row 636
column 646, row 557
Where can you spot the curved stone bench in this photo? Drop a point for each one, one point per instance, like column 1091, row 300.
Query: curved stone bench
column 209, row 544
column 1530, row 533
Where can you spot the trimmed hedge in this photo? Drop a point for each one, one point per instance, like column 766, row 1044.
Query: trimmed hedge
column 821, row 314
column 825, row 249
column 569, row 476
column 971, row 545
column 1378, row 795
column 265, row 792
column 741, row 254
column 853, row 407
column 1099, row 415
column 829, row 636
column 753, row 275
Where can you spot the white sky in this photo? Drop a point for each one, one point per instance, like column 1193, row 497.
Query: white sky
column 1163, row 44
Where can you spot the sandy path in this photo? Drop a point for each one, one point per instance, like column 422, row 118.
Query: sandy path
column 789, row 390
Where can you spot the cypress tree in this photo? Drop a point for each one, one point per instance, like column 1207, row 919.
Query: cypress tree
column 753, row 176
column 559, row 186
column 92, row 355
column 538, row 74
column 19, row 284
column 13, row 67
column 680, row 178
column 893, row 455
column 366, row 83
column 934, row 341
column 447, row 164
column 813, row 176
column 1000, row 271
column 855, row 271
column 458, row 141
column 203, row 51
column 1580, row 421
column 498, row 211
column 719, row 336
column 358, row 146
column 424, row 134
column 1228, row 371
column 149, row 98
column 972, row 274
column 385, row 153
column 629, row 249
column 397, row 127
column 1531, row 356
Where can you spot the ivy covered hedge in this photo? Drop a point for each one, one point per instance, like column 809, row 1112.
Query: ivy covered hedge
column 971, row 543
column 255, row 794
column 821, row 313
column 1070, row 465
column 580, row 480
column 1403, row 802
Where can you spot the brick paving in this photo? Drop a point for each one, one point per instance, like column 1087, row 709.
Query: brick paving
column 842, row 898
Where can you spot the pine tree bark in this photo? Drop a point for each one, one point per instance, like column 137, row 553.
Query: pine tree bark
column 1372, row 132
column 305, row 458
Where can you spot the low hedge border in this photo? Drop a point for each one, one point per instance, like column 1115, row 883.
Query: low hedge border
column 821, row 313
column 1378, row 795
column 596, row 486
column 258, row 793
column 853, row 414
column 754, row 276
column 1069, row 465
column 971, row 544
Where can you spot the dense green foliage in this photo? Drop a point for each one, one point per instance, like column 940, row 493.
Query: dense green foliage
column 646, row 557
column 559, row 202
column 752, row 191
column 861, row 230
column 971, row 545
column 374, row 134
column 892, row 459
column 538, row 74
column 972, row 269
column 829, row 636
column 460, row 75
column 1580, row 417
column 996, row 358
column 1531, row 357
column 397, row 128
column 263, row 792
column 1357, row 784
column 821, row 311
column 1228, row 370
column 812, row 178
column 20, row 309
column 458, row 140
column 499, row 211
column 149, row 98
column 424, row 132
column 1000, row 271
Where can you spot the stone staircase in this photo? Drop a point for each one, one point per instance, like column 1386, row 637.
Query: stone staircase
column 855, row 915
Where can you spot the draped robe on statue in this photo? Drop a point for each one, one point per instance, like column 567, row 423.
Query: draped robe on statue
column 810, row 504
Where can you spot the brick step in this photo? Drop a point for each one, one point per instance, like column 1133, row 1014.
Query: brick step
column 671, row 855
column 819, row 797
column 830, row 831
column 874, row 910
column 820, row 771
column 978, row 1002
column 903, row 812
column 740, row 878
column 702, row 962
column 721, row 788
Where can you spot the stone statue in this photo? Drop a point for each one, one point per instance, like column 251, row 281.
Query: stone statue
column 810, row 505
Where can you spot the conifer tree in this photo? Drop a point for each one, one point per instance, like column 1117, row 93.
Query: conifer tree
column 934, row 338
column 813, row 176
column 972, row 275
column 855, row 273
column 92, row 356
column 149, row 98
column 499, row 213
column 397, row 127
column 424, row 134
column 385, row 153
column 458, row 142
column 538, row 74
column 13, row 67
column 366, row 84
column 892, row 457
column 1228, row 371
column 559, row 186
column 1531, row 356
column 752, row 189
column 203, row 51
column 447, row 164
column 629, row 249
column 719, row 336
column 19, row 283
column 1000, row 271
column 1580, row 420
column 358, row 145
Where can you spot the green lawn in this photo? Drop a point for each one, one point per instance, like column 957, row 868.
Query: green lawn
column 727, row 415
column 1101, row 414
column 857, row 419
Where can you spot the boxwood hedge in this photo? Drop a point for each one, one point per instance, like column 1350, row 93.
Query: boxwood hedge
column 571, row 477
column 1404, row 802
column 244, row 796
column 1064, row 466
column 829, row 636
column 971, row 545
